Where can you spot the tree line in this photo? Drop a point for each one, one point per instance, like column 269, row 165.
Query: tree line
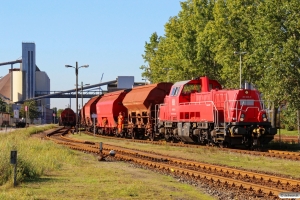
column 29, row 109
column 202, row 38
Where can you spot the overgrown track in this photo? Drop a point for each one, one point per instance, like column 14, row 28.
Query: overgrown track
column 270, row 153
column 287, row 139
column 245, row 182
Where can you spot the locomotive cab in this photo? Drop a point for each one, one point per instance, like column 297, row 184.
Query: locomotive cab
column 247, row 118
column 188, row 106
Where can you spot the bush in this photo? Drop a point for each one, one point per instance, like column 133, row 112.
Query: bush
column 289, row 118
column 290, row 128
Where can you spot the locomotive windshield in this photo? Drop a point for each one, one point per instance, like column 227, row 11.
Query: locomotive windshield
column 175, row 91
column 247, row 102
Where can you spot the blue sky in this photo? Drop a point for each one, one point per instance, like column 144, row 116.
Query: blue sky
column 108, row 35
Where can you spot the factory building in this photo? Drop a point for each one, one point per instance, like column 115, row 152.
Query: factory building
column 23, row 82
column 29, row 68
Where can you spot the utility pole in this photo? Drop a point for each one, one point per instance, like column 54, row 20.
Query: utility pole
column 240, row 53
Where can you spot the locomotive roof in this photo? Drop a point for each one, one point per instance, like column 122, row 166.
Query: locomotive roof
column 193, row 81
column 181, row 83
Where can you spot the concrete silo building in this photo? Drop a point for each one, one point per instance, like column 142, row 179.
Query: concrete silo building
column 22, row 83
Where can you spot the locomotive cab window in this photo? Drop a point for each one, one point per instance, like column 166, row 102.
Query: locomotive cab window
column 191, row 88
column 175, row 91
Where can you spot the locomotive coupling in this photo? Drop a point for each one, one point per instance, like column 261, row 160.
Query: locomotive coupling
column 259, row 130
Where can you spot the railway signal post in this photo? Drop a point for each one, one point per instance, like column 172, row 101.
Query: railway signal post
column 13, row 160
column 240, row 53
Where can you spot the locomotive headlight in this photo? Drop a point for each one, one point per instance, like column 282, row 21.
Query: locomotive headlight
column 242, row 117
column 264, row 117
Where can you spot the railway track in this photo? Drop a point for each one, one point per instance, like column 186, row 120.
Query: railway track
column 270, row 153
column 245, row 182
column 287, row 139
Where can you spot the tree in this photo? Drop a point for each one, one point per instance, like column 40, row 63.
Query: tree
column 183, row 53
column 202, row 38
column 149, row 56
column 59, row 111
column 32, row 110
column 3, row 105
column 276, row 34
column 289, row 118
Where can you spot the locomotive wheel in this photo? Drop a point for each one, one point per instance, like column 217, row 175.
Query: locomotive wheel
column 167, row 138
column 133, row 135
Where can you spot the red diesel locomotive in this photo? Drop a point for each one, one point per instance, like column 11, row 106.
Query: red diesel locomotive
column 195, row 111
column 200, row 111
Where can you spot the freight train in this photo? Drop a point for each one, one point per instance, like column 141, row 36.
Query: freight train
column 67, row 118
column 192, row 111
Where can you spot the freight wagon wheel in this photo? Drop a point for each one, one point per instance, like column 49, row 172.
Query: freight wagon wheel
column 141, row 136
column 133, row 135
column 223, row 145
column 100, row 131
column 151, row 136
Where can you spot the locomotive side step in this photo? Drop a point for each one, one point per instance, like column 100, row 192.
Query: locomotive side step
column 220, row 134
column 220, row 129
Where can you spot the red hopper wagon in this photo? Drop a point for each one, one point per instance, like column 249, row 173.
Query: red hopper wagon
column 67, row 117
column 140, row 103
column 89, row 109
column 111, row 113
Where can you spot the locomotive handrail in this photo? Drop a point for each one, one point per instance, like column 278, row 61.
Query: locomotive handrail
column 236, row 109
column 249, row 108
column 196, row 103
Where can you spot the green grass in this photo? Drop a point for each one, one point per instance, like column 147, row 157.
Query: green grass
column 49, row 171
column 284, row 146
column 29, row 166
column 90, row 179
column 214, row 156
column 285, row 132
